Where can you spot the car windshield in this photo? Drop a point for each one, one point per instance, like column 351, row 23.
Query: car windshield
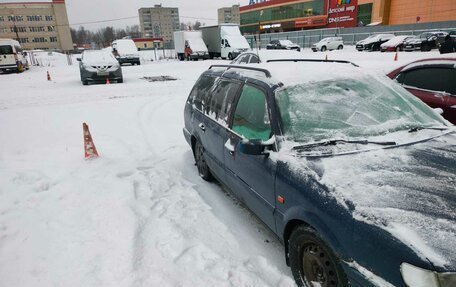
column 6, row 50
column 99, row 56
column 363, row 107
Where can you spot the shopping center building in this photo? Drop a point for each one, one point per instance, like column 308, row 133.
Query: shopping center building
column 291, row 15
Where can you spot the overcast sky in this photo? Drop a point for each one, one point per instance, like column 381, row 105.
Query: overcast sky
column 83, row 11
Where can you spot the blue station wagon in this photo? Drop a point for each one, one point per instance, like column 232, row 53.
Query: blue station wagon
column 355, row 175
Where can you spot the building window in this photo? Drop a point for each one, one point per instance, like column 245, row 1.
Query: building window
column 22, row 29
column 23, row 40
column 51, row 28
column 34, row 18
column 15, row 18
column 37, row 29
column 39, row 40
column 49, row 18
column 364, row 16
column 53, row 39
column 2, row 18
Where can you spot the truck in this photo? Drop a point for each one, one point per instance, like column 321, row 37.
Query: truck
column 189, row 45
column 12, row 57
column 125, row 51
column 224, row 40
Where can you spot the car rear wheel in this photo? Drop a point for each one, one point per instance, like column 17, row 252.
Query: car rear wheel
column 203, row 168
column 312, row 262
column 120, row 81
column 323, row 48
column 85, row 82
column 230, row 56
column 340, row 47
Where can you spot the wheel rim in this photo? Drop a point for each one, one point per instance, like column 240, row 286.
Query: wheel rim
column 200, row 162
column 318, row 267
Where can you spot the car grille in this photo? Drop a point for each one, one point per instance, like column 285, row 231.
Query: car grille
column 102, row 68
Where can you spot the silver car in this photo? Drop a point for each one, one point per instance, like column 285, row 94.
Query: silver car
column 99, row 66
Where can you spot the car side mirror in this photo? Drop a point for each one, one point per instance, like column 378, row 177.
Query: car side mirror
column 79, row 59
column 253, row 147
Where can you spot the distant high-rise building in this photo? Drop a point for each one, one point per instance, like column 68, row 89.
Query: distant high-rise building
column 159, row 22
column 36, row 25
column 229, row 15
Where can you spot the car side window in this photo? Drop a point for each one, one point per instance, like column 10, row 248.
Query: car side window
column 244, row 59
column 254, row 59
column 434, row 79
column 251, row 117
column 222, row 100
column 199, row 96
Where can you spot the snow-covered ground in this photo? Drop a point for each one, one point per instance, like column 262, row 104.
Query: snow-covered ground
column 139, row 215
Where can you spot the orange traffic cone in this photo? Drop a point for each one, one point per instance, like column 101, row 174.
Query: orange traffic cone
column 90, row 151
column 326, row 57
column 48, row 76
column 107, row 81
column 395, row 57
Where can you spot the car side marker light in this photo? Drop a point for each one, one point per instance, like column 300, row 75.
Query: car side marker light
column 280, row 199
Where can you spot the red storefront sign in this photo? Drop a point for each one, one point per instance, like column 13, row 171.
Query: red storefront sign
column 342, row 13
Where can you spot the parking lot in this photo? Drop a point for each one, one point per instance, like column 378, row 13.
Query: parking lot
column 139, row 215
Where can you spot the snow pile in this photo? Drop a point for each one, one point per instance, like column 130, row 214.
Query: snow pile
column 50, row 59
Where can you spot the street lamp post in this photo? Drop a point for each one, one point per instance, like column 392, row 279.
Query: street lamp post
column 15, row 27
column 259, row 29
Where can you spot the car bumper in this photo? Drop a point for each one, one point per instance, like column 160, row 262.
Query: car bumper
column 8, row 67
column 199, row 56
column 95, row 76
column 187, row 136
column 128, row 60
column 412, row 48
column 359, row 47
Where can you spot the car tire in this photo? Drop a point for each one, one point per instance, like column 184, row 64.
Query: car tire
column 340, row 47
column 230, row 57
column 120, row 81
column 85, row 82
column 323, row 48
column 203, row 168
column 311, row 260
column 398, row 49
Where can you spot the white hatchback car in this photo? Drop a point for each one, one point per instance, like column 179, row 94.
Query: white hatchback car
column 330, row 43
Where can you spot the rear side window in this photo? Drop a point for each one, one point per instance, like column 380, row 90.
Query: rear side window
column 6, row 50
column 251, row 117
column 434, row 79
column 254, row 59
column 199, row 96
column 244, row 59
column 222, row 99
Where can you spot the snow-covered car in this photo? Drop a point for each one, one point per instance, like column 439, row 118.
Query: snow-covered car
column 373, row 42
column 99, row 66
column 264, row 56
column 12, row 57
column 425, row 42
column 282, row 45
column 396, row 44
column 126, row 52
column 330, row 43
column 353, row 173
column 431, row 80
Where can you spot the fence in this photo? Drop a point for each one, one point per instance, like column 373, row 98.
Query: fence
column 306, row 38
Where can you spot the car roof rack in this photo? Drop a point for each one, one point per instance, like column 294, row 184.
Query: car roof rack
column 311, row 60
column 266, row 72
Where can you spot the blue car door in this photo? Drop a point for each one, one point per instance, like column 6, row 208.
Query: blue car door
column 251, row 177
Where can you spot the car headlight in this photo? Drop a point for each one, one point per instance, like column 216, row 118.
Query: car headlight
column 418, row 277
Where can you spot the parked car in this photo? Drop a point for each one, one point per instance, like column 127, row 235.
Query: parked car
column 426, row 41
column 396, row 44
column 224, row 40
column 12, row 57
column 99, row 66
column 126, row 52
column 264, row 56
column 373, row 42
column 353, row 173
column 330, row 43
column 282, row 45
column 189, row 45
column 433, row 81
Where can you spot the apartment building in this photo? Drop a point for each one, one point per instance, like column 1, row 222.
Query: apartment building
column 229, row 15
column 159, row 22
column 37, row 25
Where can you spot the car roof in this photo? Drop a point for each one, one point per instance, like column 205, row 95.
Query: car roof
column 288, row 73
column 436, row 62
column 267, row 55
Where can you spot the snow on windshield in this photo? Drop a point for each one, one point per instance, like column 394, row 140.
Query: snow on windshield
column 349, row 108
column 98, row 57
column 286, row 42
column 396, row 41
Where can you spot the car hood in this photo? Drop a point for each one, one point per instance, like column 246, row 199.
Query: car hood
column 414, row 41
column 409, row 191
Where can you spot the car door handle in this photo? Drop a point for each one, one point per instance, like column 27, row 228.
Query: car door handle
column 202, row 127
column 229, row 146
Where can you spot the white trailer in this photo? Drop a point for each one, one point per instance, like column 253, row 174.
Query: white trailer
column 224, row 40
column 190, row 45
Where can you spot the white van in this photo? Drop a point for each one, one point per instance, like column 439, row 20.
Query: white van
column 12, row 58
column 125, row 51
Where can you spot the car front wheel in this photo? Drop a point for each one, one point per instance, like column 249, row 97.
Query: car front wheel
column 312, row 262
column 203, row 168
column 340, row 47
column 323, row 48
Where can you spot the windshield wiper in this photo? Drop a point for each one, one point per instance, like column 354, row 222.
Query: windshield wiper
column 336, row 141
column 415, row 129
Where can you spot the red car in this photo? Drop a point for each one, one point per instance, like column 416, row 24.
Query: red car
column 433, row 81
